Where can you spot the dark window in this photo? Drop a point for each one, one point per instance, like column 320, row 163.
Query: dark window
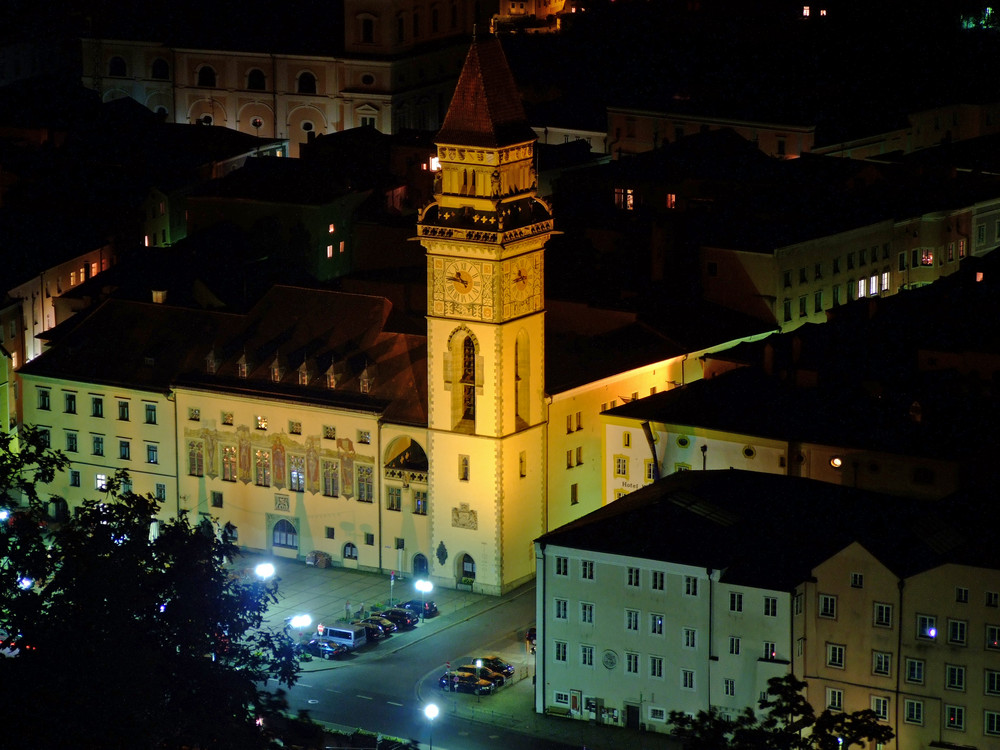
column 367, row 36
column 256, row 80
column 206, row 76
column 160, row 69
column 307, row 83
column 116, row 67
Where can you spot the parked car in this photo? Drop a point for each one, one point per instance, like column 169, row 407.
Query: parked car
column 374, row 630
column 430, row 609
column 403, row 618
column 323, row 648
column 495, row 678
column 496, row 664
column 462, row 682
column 387, row 625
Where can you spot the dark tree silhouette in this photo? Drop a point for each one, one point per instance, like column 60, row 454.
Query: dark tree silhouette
column 127, row 639
column 788, row 723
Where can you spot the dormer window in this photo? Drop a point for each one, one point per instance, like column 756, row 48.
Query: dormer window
column 330, row 378
column 303, row 376
column 275, row 371
column 241, row 366
column 211, row 363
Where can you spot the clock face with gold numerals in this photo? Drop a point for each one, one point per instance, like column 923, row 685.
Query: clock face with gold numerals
column 521, row 278
column 462, row 281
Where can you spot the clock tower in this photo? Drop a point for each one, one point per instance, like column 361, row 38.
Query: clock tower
column 484, row 234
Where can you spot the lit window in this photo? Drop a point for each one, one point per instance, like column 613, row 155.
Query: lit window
column 954, row 677
column 656, row 624
column 954, row 717
column 835, row 699
column 152, row 454
column 261, row 422
column 883, row 615
column 926, row 627
column 927, row 257
column 958, row 632
column 880, row 706
column 835, row 655
column 914, row 712
column 915, row 671
column 632, row 619
column 827, row 606
column 881, row 663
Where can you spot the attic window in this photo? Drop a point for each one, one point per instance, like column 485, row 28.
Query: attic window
column 367, row 79
column 331, row 379
column 241, row 368
column 303, row 376
column 275, row 373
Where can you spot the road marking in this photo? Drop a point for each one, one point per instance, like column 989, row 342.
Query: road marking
column 364, row 697
column 393, row 703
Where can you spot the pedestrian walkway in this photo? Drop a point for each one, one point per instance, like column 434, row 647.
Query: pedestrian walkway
column 323, row 594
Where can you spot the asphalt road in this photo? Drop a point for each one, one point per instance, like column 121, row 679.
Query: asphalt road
column 384, row 687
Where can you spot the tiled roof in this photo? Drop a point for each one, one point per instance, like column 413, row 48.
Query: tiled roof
column 770, row 531
column 486, row 110
column 156, row 347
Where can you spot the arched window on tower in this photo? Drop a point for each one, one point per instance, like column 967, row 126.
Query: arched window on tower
column 367, row 30
column 469, row 380
column 521, row 380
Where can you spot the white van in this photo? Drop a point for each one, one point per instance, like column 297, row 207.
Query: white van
column 352, row 636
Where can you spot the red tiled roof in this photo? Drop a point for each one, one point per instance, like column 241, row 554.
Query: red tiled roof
column 486, row 109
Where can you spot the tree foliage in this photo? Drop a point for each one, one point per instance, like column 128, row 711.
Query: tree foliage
column 127, row 638
column 787, row 722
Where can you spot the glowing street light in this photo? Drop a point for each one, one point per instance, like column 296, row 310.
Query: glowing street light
column 424, row 587
column 431, row 712
column 264, row 570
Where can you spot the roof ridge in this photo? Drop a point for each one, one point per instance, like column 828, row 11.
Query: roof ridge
column 486, row 109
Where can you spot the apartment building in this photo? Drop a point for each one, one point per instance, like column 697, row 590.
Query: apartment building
column 689, row 594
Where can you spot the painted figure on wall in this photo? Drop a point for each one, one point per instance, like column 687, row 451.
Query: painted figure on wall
column 210, row 468
column 345, row 447
column 278, row 450
column 312, row 466
column 246, row 468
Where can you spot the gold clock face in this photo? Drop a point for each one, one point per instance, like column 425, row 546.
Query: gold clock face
column 462, row 281
column 522, row 280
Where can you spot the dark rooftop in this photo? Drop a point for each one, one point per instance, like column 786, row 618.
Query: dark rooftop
column 769, row 530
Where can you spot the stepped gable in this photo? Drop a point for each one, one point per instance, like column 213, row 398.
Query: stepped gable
column 486, row 109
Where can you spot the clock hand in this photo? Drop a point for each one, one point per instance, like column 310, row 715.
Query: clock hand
column 459, row 279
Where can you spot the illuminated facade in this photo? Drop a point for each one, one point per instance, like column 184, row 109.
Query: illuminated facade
column 484, row 234
column 396, row 71
column 921, row 651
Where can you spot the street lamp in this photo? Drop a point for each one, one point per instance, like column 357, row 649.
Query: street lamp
column 264, row 570
column 424, row 587
column 431, row 712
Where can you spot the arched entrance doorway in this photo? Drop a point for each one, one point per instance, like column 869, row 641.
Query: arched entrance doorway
column 420, row 568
